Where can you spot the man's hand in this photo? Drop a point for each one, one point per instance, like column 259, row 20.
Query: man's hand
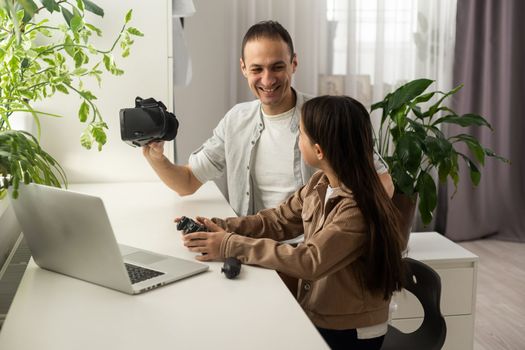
column 154, row 151
column 206, row 243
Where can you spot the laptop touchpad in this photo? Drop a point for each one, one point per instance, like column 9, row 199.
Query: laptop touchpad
column 144, row 258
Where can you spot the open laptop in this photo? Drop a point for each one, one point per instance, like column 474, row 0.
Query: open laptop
column 70, row 233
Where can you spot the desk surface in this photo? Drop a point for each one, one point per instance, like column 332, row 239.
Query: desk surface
column 254, row 311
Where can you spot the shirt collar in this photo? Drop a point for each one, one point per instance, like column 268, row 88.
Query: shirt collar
column 341, row 191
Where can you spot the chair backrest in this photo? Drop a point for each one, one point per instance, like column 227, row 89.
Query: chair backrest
column 422, row 281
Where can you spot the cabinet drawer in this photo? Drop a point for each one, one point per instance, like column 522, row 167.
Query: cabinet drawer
column 460, row 330
column 457, row 288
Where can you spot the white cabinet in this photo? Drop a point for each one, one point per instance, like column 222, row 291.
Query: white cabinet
column 457, row 268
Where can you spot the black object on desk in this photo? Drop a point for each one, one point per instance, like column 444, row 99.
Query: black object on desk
column 231, row 267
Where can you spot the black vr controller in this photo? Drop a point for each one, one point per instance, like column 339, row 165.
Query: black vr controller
column 148, row 121
column 187, row 225
column 231, row 267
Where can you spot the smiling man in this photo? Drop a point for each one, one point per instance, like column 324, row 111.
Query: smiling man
column 256, row 143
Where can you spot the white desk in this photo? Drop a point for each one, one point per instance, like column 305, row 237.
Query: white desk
column 207, row 311
column 255, row 311
column 457, row 268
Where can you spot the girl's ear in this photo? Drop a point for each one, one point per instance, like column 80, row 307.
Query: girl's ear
column 318, row 152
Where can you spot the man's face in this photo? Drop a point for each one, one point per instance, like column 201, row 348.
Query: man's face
column 268, row 68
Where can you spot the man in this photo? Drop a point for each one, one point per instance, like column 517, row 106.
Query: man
column 256, row 142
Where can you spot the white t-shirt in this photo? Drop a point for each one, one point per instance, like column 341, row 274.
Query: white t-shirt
column 273, row 175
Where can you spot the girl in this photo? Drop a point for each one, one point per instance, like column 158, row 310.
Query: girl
column 350, row 262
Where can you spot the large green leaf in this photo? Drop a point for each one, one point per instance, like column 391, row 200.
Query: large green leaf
column 464, row 120
column 475, row 175
column 403, row 181
column 426, row 188
column 437, row 149
column 474, row 146
column 408, row 92
column 444, row 169
column 418, row 128
column 408, row 152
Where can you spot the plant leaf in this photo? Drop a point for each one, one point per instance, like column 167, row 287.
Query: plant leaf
column 491, row 153
column 408, row 92
column 464, row 120
column 50, row 5
column 426, row 188
column 475, row 175
column 444, row 169
column 85, row 139
column 93, row 8
column 403, row 181
column 67, row 16
column 29, row 9
column 134, row 31
column 408, row 152
column 83, row 112
column 474, row 146
column 128, row 16
column 76, row 23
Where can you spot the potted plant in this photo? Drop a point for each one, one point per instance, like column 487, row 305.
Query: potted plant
column 40, row 58
column 411, row 141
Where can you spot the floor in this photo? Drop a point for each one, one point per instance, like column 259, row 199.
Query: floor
column 500, row 309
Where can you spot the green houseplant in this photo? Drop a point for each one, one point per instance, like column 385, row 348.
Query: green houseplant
column 40, row 58
column 412, row 143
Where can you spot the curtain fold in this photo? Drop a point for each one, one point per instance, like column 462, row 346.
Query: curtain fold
column 489, row 61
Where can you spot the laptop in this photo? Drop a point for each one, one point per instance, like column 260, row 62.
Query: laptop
column 70, row 233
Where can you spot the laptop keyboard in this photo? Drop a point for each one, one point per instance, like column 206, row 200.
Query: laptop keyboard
column 138, row 274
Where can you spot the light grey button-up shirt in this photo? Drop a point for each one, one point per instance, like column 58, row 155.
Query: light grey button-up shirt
column 231, row 150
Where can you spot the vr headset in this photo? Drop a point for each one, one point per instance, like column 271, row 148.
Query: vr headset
column 148, row 121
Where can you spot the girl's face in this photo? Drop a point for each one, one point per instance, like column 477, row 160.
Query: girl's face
column 309, row 151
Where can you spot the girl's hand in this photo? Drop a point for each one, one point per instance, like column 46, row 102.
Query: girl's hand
column 207, row 243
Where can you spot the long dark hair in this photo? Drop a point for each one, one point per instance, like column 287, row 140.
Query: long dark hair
column 342, row 128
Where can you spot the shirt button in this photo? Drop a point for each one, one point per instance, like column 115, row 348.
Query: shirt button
column 307, row 287
column 247, row 193
column 253, row 142
column 248, row 167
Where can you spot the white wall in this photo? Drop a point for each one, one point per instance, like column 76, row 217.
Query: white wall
column 146, row 75
column 199, row 106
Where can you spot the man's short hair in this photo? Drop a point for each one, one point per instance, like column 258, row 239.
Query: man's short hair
column 268, row 29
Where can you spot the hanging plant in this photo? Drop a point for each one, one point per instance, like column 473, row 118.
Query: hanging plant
column 39, row 59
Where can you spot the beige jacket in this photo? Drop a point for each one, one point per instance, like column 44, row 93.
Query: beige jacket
column 330, row 291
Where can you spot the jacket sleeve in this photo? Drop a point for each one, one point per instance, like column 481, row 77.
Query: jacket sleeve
column 281, row 223
column 336, row 245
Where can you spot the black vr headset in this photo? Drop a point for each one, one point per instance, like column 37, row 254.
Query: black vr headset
column 148, row 121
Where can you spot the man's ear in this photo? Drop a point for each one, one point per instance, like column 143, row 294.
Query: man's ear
column 243, row 68
column 294, row 63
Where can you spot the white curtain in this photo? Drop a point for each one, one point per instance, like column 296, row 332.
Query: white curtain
column 362, row 48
